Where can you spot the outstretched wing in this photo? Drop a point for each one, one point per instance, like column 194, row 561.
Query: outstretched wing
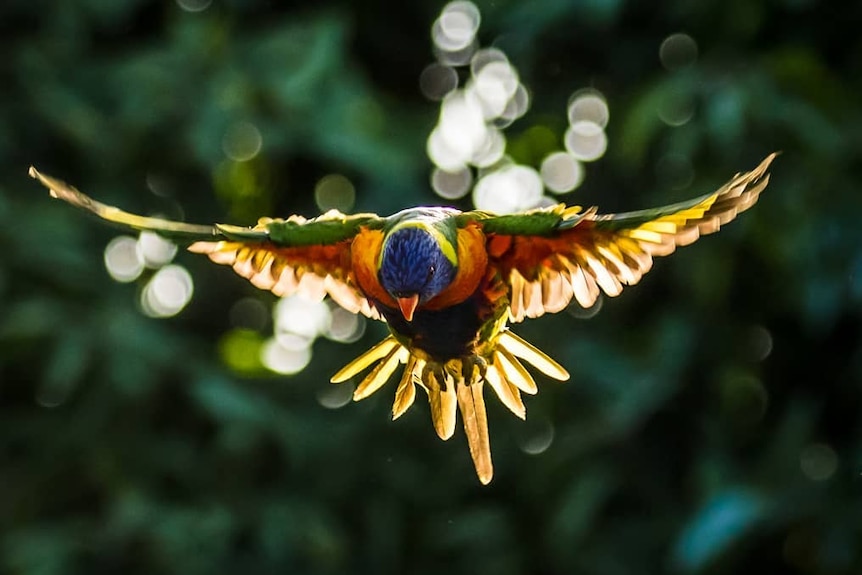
column 548, row 257
column 312, row 257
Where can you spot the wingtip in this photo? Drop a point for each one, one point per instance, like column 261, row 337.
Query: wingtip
column 34, row 173
column 765, row 163
column 759, row 176
column 768, row 160
column 55, row 187
column 44, row 180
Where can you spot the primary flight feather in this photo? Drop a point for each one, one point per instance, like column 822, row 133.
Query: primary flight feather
column 448, row 282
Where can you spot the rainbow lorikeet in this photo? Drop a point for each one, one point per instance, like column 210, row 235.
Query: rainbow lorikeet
column 448, row 282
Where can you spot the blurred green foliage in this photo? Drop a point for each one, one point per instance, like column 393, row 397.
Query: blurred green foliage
column 712, row 421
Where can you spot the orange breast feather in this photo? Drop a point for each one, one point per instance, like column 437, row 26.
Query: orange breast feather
column 472, row 263
column 364, row 254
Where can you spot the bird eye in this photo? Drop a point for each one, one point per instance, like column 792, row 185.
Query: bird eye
column 431, row 271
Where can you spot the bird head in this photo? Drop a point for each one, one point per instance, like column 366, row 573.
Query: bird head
column 416, row 264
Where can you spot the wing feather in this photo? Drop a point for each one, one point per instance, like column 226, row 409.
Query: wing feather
column 294, row 255
column 314, row 270
column 582, row 253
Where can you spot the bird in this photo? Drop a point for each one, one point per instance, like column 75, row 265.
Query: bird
column 449, row 283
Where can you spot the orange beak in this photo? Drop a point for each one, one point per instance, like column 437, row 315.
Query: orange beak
column 408, row 305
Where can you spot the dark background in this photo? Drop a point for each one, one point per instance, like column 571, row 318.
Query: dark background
column 711, row 424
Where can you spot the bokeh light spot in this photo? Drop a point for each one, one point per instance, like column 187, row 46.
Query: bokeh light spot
column 283, row 360
column 677, row 51
column 454, row 57
column 508, row 190
column 462, row 123
column 167, row 292
column 159, row 185
column 301, row 316
column 818, row 462
column 561, row 172
column 575, row 309
column 335, row 192
column 345, row 326
column 495, row 84
column 588, row 106
column 437, row 80
column 451, row 185
column 484, row 57
column 240, row 350
column 492, row 149
column 194, row 5
column 759, row 343
column 292, row 341
column 441, row 154
column 123, row 260
column 677, row 109
column 249, row 313
column 155, row 250
column 242, row 142
column 335, row 396
column 586, row 141
column 537, row 436
column 516, row 107
column 457, row 25
column 460, row 133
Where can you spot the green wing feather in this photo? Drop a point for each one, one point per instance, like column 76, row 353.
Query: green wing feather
column 539, row 222
column 331, row 228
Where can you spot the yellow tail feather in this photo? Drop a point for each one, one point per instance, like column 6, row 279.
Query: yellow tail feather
column 457, row 384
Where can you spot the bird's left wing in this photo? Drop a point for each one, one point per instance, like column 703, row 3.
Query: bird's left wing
column 550, row 256
column 312, row 257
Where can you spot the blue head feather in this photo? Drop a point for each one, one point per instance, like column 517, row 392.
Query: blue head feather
column 414, row 263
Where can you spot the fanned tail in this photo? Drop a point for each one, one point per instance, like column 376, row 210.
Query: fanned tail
column 457, row 385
